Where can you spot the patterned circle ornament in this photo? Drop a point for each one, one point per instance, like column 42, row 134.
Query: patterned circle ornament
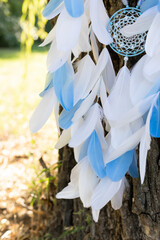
column 126, row 46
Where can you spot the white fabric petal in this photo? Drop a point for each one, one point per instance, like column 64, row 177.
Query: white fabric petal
column 50, row 37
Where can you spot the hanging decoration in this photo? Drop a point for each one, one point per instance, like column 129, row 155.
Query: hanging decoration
column 96, row 101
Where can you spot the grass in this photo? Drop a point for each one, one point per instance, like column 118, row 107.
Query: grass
column 19, row 94
column 20, row 150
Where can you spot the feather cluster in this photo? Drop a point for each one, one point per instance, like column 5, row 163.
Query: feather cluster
column 105, row 117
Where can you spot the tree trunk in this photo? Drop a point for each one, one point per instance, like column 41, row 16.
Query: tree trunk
column 139, row 217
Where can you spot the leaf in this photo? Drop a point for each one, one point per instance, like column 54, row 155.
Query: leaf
column 116, row 169
column 74, row 8
column 95, row 155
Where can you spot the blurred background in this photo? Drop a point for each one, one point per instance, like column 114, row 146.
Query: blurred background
column 28, row 162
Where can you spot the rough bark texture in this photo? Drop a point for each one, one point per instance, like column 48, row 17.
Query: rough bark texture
column 139, row 217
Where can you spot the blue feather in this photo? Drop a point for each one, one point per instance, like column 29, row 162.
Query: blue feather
column 155, row 119
column 148, row 4
column 48, row 84
column 75, row 8
column 50, row 7
column 133, row 171
column 63, row 85
column 155, row 89
column 95, row 155
column 65, row 118
column 116, row 169
column 84, row 149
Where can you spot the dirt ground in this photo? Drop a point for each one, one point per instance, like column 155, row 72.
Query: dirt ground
column 22, row 186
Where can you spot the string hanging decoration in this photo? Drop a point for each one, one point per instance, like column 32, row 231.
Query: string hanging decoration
column 126, row 46
column 130, row 100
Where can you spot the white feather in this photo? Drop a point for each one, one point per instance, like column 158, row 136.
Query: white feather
column 95, row 215
column 116, row 201
column 86, row 104
column 145, row 143
column 57, row 11
column 72, row 190
column 97, row 71
column 43, row 111
column 139, row 86
column 56, row 58
column 63, row 139
column 87, row 182
column 82, row 77
column 104, row 192
column 129, row 144
column 87, row 127
column 99, row 19
column 94, row 46
column 153, row 36
column 142, row 24
column 50, row 37
column 67, row 31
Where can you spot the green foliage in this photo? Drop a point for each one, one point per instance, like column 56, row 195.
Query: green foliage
column 32, row 22
column 9, row 23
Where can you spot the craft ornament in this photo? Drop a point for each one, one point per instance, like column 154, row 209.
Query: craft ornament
column 130, row 101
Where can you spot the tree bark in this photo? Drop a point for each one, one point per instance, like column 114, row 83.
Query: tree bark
column 139, row 217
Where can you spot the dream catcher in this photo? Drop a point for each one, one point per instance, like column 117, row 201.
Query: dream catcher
column 130, row 101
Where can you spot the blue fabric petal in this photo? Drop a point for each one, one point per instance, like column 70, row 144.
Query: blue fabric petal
column 75, row 8
column 95, row 155
column 155, row 120
column 65, row 118
column 48, row 84
column 50, row 7
column 84, row 149
column 146, row 4
column 117, row 168
column 133, row 171
column 63, row 85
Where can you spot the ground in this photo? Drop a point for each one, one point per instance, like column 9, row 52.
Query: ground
column 25, row 195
